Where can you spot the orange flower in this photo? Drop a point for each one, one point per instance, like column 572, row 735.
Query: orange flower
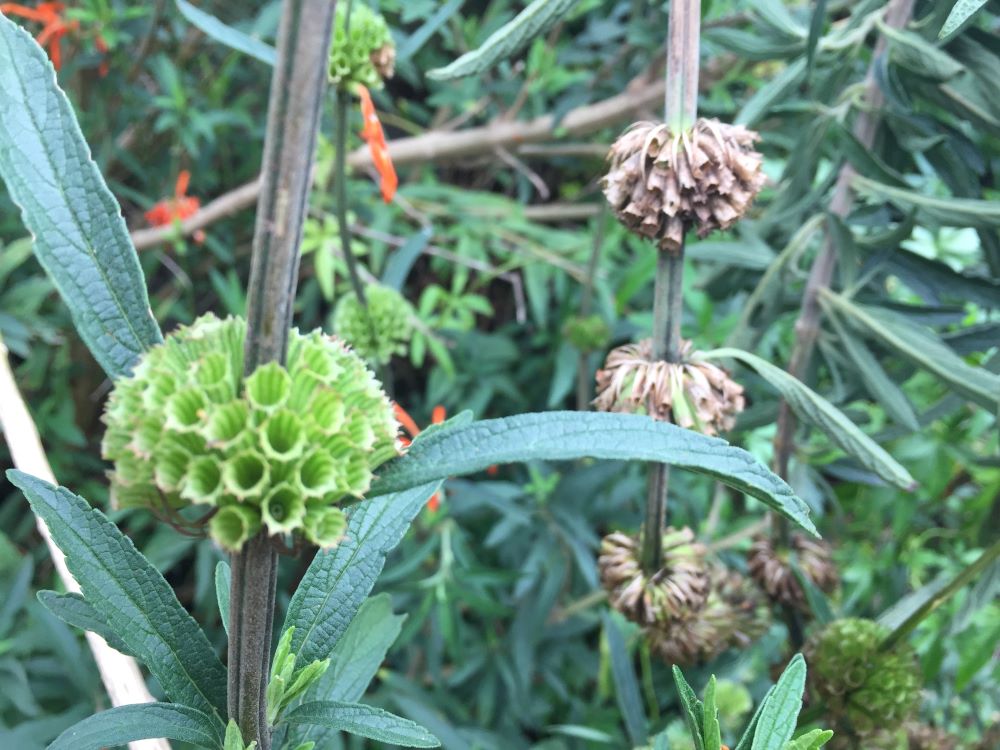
column 438, row 415
column 374, row 136
column 178, row 208
column 54, row 28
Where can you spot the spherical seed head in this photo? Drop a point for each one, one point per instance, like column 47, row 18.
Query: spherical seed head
column 870, row 688
column 772, row 571
column 692, row 394
column 363, row 53
column 187, row 428
column 381, row 332
column 660, row 184
column 587, row 333
column 681, row 585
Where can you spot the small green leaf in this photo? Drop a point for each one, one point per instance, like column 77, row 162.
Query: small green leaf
column 961, row 14
column 812, row 740
column 223, row 579
column 694, row 709
column 772, row 92
column 141, row 721
column 74, row 610
column 711, row 731
column 952, row 212
column 80, row 236
column 227, row 35
column 132, row 596
column 748, row 733
column 626, row 684
column 910, row 51
column 364, row 721
column 779, row 716
column 507, row 41
column 813, row 408
column 565, row 436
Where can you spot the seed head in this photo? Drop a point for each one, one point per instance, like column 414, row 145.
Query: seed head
column 382, row 331
column 772, row 571
column 362, row 53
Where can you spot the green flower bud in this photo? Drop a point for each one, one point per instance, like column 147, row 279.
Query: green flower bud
column 187, row 429
column 379, row 332
column 363, row 53
column 587, row 334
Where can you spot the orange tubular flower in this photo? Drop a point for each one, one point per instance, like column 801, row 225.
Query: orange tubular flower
column 54, row 26
column 178, row 208
column 438, row 415
column 374, row 136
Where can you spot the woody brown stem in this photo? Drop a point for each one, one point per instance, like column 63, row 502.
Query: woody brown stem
column 296, row 97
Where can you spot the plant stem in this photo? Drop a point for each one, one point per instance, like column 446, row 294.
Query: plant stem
column 296, row 97
column 583, row 379
column 340, row 196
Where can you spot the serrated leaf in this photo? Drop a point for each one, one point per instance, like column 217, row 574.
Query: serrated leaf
column 811, row 740
column 781, row 710
column 626, row 684
column 364, row 721
column 920, row 347
column 952, row 212
column 506, row 41
column 76, row 611
column 227, row 35
column 80, row 236
column 813, row 408
column 223, row 580
column 694, row 710
column 961, row 14
column 141, row 721
column 131, row 596
column 570, row 435
column 338, row 581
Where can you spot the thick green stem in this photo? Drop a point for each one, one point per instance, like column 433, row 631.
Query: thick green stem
column 296, row 97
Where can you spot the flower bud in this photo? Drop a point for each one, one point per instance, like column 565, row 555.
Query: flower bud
column 381, row 331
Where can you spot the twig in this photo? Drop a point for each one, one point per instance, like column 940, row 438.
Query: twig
column 119, row 673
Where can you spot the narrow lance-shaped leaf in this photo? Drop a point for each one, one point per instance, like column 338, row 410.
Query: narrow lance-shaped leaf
column 626, row 684
column 961, row 14
column 80, row 236
column 694, row 709
column 507, row 41
column 564, row 436
column 816, row 410
column 76, row 611
column 227, row 35
column 132, row 596
column 364, row 721
column 780, row 713
column 223, row 578
column 952, row 212
column 141, row 721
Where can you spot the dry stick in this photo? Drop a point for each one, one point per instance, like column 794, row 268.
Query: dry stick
column 681, row 111
column 119, row 673
column 296, row 97
column 897, row 15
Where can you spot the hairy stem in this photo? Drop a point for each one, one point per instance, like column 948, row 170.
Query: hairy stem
column 296, row 97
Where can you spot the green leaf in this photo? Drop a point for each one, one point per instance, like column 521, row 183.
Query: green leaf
column 223, row 579
column 952, row 212
column 80, row 236
column 711, row 731
column 132, row 596
column 397, row 268
column 919, row 346
column 813, row 408
column 626, row 684
column 338, row 581
column 816, row 24
column 364, row 721
column 811, row 740
column 227, row 35
column 771, row 93
column 961, row 15
column 415, row 41
column 568, row 435
column 507, row 41
column 781, row 710
column 694, row 710
column 910, row 51
column 76, row 611
column 141, row 721
column 748, row 733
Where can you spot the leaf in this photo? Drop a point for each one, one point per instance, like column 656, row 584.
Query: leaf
column 711, row 731
column 338, row 581
column 952, row 212
column 227, row 35
column 813, row 408
column 76, row 611
column 910, row 51
column 781, row 710
column 364, row 721
column 141, row 721
column 415, row 41
column 694, row 710
column 961, row 14
column 811, row 740
column 569, row 435
column 80, row 236
column 771, row 93
column 748, row 733
column 401, row 261
column 920, row 347
column 223, row 580
column 506, row 41
column 816, row 24
column 132, row 596
column 626, row 685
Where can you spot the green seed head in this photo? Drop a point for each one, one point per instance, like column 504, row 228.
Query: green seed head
column 380, row 332
column 278, row 449
column 587, row 333
column 363, row 52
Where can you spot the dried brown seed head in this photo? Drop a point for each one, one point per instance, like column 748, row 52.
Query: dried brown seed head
column 384, row 60
column 771, row 570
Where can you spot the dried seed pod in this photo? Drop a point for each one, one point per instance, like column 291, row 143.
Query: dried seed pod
column 925, row 737
column 660, row 184
column 734, row 616
column 681, row 585
column 771, row 570
column 692, row 394
column 873, row 690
